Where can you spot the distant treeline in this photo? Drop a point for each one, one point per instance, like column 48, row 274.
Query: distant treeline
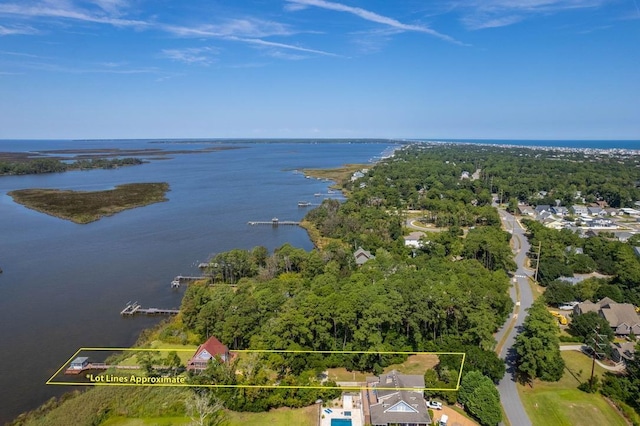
column 50, row 165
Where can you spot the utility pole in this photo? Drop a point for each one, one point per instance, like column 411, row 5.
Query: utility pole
column 535, row 277
column 597, row 345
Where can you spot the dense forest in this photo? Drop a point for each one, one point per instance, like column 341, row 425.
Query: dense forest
column 50, row 165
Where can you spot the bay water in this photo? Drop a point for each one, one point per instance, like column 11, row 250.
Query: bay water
column 64, row 284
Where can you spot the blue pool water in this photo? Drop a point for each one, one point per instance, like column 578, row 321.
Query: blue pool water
column 340, row 422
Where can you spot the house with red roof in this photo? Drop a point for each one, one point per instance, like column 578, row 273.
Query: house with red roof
column 210, row 349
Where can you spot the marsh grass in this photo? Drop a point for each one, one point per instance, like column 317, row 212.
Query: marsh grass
column 88, row 206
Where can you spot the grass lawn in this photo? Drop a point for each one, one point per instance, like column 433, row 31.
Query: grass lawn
column 278, row 417
column 342, row 375
column 154, row 421
column 415, row 364
column 561, row 403
column 185, row 352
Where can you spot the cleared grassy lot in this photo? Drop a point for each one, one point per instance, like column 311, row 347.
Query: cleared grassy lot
column 280, row 417
column 415, row 364
column 561, row 403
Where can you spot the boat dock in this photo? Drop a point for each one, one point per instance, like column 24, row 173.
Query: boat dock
column 99, row 366
column 275, row 222
column 135, row 308
column 181, row 279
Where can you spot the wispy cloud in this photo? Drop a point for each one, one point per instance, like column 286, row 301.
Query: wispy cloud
column 44, row 66
column 112, row 7
column 67, row 11
column 247, row 27
column 21, row 54
column 17, row 30
column 251, row 31
column 370, row 16
column 191, row 55
column 247, row 30
column 480, row 14
column 265, row 43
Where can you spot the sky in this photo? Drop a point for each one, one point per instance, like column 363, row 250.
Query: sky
column 438, row 69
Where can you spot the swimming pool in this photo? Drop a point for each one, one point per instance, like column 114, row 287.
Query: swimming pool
column 340, row 422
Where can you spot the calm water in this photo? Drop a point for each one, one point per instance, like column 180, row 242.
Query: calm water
column 64, row 284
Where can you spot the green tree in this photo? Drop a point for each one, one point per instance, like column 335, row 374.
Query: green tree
column 484, row 404
column 537, row 347
column 559, row 292
column 173, row 361
column 588, row 324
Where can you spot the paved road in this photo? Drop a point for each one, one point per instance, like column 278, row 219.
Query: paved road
column 507, row 387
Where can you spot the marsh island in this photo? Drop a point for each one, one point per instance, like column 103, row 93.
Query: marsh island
column 89, row 206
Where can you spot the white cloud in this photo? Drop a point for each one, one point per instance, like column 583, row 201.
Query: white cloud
column 112, row 7
column 247, row 30
column 479, row 14
column 247, row 27
column 265, row 43
column 24, row 55
column 17, row 30
column 191, row 55
column 278, row 54
column 65, row 11
column 373, row 17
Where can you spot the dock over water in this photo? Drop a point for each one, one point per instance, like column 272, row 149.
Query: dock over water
column 135, row 308
column 181, row 279
column 275, row 222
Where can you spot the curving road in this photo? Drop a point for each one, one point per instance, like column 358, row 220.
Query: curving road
column 507, row 387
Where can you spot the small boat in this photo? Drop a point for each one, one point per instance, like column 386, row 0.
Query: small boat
column 303, row 204
column 317, row 194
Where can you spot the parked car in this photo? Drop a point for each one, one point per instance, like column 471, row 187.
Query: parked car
column 435, row 405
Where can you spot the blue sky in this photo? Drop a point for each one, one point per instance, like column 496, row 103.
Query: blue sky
column 522, row 69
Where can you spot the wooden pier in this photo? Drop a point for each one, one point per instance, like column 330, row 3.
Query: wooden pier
column 135, row 308
column 99, row 366
column 181, row 279
column 275, row 222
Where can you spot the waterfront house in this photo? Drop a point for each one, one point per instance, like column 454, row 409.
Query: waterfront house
column 212, row 349
column 396, row 399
